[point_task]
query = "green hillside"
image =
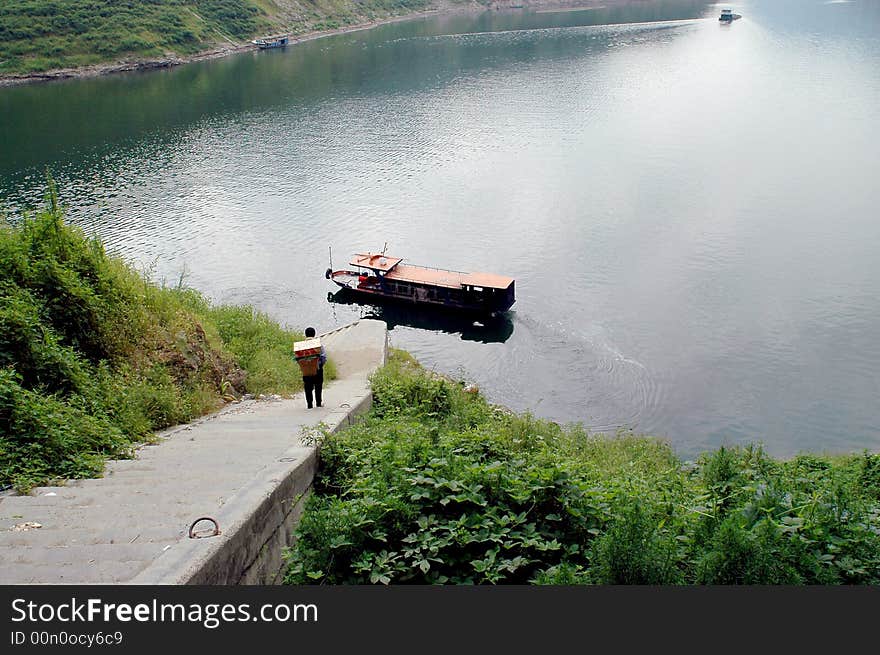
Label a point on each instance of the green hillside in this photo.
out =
(43, 35)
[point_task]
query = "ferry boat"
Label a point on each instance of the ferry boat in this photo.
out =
(380, 277)
(728, 16)
(263, 44)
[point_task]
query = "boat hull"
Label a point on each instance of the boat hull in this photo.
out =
(479, 327)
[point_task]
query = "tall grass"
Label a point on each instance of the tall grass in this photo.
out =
(438, 486)
(94, 356)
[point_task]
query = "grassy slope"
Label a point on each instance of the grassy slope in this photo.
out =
(94, 357)
(42, 35)
(438, 486)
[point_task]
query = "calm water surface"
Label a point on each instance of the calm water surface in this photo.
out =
(690, 209)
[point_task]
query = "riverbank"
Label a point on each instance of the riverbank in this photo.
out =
(229, 47)
(435, 486)
(134, 65)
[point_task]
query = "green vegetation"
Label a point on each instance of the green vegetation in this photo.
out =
(438, 486)
(94, 357)
(42, 35)
(39, 35)
(323, 15)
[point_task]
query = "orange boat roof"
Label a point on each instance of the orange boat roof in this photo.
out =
(487, 280)
(439, 277)
(453, 279)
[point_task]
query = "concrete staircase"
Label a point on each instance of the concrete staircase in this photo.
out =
(246, 466)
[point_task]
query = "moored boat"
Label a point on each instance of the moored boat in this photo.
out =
(380, 277)
(263, 44)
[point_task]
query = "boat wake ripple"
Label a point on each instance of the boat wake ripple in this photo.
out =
(588, 379)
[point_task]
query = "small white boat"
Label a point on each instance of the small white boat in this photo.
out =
(270, 43)
(728, 16)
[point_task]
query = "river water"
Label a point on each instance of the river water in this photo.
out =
(690, 209)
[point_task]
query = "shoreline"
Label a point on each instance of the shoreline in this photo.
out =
(125, 66)
(440, 8)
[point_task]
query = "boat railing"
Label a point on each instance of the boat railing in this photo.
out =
(432, 268)
(435, 268)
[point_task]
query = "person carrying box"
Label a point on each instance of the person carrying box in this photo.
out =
(311, 357)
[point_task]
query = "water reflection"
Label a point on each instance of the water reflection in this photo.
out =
(497, 329)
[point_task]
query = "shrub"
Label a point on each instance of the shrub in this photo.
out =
(633, 550)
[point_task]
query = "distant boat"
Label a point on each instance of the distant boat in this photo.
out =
(380, 277)
(727, 15)
(263, 44)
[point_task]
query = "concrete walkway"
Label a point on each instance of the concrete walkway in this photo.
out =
(245, 466)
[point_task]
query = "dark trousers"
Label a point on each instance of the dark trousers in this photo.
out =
(313, 383)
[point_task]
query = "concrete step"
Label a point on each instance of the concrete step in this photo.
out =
(87, 553)
(48, 537)
(169, 515)
(110, 498)
(81, 573)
